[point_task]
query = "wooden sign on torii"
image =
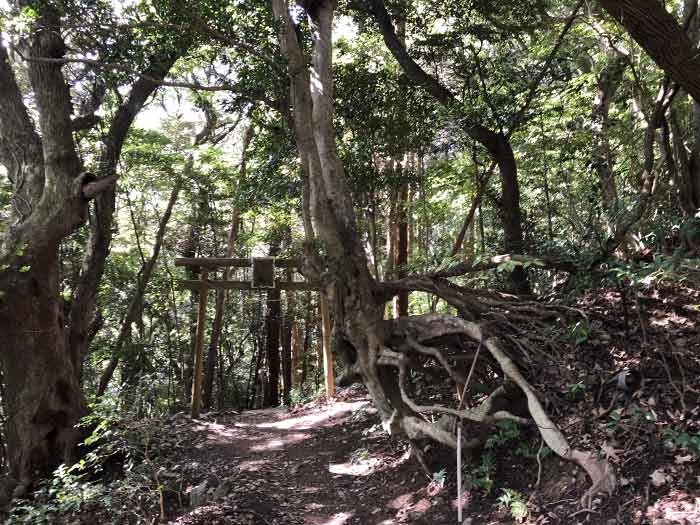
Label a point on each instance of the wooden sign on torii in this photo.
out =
(263, 278)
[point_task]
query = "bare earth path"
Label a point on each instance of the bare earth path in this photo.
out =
(325, 465)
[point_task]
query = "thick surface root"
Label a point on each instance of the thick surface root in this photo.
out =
(418, 330)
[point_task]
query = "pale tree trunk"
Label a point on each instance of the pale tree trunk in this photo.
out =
(215, 341)
(357, 310)
(353, 304)
(41, 354)
(135, 307)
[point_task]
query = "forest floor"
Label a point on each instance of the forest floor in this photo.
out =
(628, 386)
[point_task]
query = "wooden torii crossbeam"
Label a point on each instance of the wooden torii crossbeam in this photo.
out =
(263, 278)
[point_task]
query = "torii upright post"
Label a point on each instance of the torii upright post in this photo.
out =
(199, 344)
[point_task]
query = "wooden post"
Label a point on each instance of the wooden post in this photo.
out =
(327, 352)
(296, 354)
(199, 344)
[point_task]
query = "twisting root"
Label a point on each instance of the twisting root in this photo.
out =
(426, 327)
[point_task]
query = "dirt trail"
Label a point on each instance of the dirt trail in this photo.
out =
(326, 465)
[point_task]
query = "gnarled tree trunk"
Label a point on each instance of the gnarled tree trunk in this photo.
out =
(357, 300)
(40, 353)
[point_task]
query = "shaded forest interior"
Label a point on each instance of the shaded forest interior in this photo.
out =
(336, 262)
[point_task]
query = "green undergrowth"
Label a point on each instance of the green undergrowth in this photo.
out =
(112, 480)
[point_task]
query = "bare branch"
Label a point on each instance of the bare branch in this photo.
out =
(229, 40)
(543, 262)
(535, 84)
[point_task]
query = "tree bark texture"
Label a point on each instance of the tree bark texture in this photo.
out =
(659, 34)
(41, 352)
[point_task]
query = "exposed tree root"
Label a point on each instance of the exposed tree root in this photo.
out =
(412, 333)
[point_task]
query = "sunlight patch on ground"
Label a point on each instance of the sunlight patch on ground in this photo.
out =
(312, 420)
(676, 507)
(277, 443)
(358, 468)
(253, 465)
(337, 519)
(215, 428)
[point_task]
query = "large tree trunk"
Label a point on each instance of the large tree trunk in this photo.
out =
(354, 295)
(666, 42)
(42, 354)
(42, 393)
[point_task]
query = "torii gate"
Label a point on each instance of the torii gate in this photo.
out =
(263, 278)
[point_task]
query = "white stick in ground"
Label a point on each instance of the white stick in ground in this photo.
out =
(459, 472)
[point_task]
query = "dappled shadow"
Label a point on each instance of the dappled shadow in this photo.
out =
(329, 463)
(265, 430)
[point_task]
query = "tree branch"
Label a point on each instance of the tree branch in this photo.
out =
(104, 193)
(660, 35)
(54, 103)
(20, 145)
